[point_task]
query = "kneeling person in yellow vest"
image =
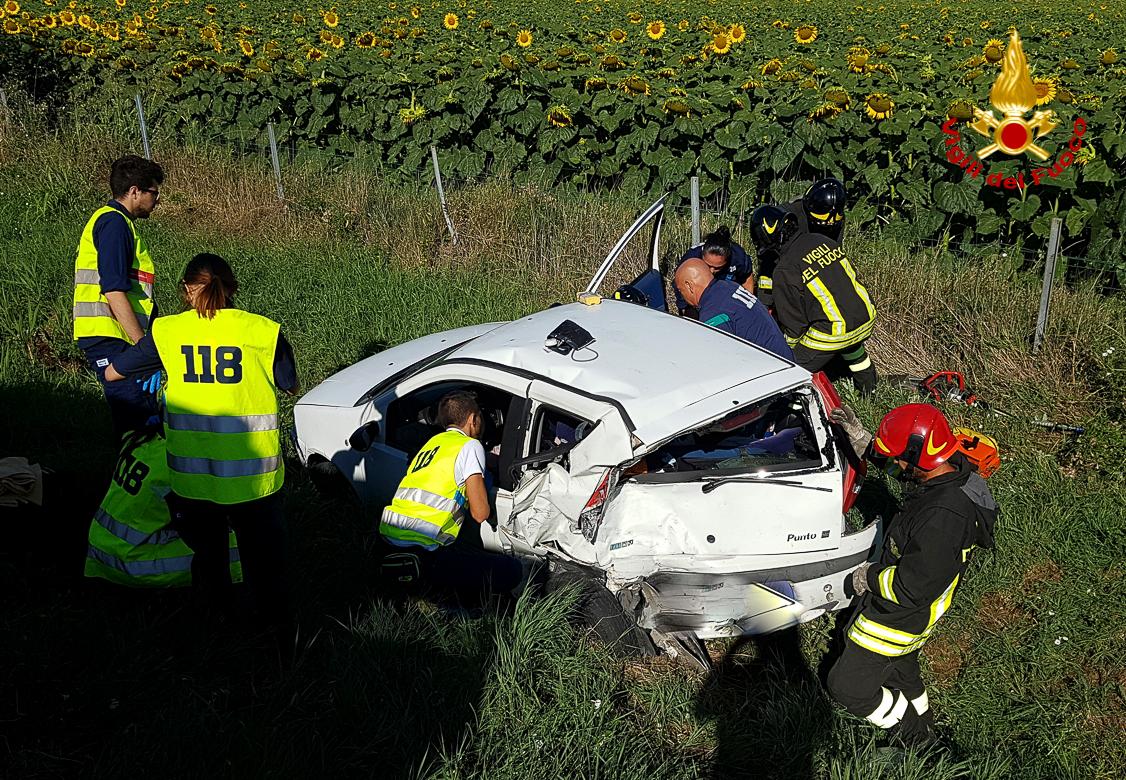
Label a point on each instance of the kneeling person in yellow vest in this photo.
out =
(130, 541)
(224, 457)
(445, 485)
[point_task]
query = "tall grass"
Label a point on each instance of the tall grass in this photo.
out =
(1025, 672)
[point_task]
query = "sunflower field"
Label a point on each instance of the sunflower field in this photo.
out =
(626, 94)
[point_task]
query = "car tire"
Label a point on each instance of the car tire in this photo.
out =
(599, 611)
(328, 480)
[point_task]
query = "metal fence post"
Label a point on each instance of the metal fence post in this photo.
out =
(695, 196)
(144, 129)
(4, 103)
(442, 195)
(1049, 278)
(274, 159)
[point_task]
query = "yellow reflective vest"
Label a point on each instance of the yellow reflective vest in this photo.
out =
(130, 542)
(221, 406)
(92, 315)
(429, 506)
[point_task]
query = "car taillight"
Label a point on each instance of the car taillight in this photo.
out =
(591, 517)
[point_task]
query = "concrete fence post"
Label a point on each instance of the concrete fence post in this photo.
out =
(442, 195)
(1049, 279)
(274, 160)
(144, 128)
(695, 197)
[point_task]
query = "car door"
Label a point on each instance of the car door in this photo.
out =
(572, 444)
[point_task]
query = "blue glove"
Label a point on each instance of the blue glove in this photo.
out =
(150, 384)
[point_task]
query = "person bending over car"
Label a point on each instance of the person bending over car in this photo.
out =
(729, 307)
(444, 486)
(726, 259)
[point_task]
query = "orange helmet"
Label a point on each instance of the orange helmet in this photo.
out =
(916, 433)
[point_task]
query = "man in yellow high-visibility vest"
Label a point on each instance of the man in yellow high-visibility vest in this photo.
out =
(445, 485)
(114, 278)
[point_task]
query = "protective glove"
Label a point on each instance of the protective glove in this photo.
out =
(860, 579)
(150, 384)
(858, 435)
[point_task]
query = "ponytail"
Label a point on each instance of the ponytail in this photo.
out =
(218, 280)
(718, 242)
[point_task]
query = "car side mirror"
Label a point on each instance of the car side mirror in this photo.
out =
(364, 436)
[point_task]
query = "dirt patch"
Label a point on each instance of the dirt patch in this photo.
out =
(1044, 571)
(946, 655)
(999, 611)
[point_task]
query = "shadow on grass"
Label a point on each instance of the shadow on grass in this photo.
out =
(771, 714)
(101, 681)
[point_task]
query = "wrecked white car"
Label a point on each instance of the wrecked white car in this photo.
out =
(694, 474)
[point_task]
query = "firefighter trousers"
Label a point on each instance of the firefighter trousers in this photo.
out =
(855, 358)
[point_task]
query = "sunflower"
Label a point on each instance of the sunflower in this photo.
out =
(1108, 57)
(634, 17)
(780, 25)
(119, 3)
(559, 116)
(683, 25)
(825, 111)
(1070, 64)
(993, 50)
(948, 39)
(772, 67)
(838, 96)
(325, 36)
(750, 85)
(508, 62)
(314, 54)
(655, 30)
(635, 85)
(67, 17)
(595, 83)
(263, 65)
(247, 48)
(449, 21)
(11, 8)
(675, 106)
(524, 39)
(331, 18)
(83, 49)
(110, 31)
(618, 35)
(1045, 90)
(411, 113)
(967, 41)
(416, 12)
(721, 43)
(972, 75)
(858, 60)
(12, 27)
(667, 73)
(50, 21)
(298, 19)
(612, 62)
(962, 110)
(878, 106)
(86, 23)
(806, 34)
(210, 10)
(337, 42)
(531, 59)
(737, 32)
(365, 40)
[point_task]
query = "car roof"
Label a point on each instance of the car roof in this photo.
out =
(665, 373)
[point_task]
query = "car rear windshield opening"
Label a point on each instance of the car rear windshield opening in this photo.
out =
(773, 434)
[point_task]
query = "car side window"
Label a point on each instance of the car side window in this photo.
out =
(553, 429)
(412, 419)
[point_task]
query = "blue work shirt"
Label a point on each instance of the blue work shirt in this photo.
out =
(114, 242)
(738, 270)
(729, 307)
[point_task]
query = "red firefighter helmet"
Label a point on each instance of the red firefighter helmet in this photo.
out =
(916, 433)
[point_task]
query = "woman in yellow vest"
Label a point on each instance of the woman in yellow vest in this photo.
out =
(225, 462)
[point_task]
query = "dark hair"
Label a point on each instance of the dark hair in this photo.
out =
(456, 407)
(718, 242)
(218, 280)
(134, 171)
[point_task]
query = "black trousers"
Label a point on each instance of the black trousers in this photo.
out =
(857, 364)
(861, 680)
(130, 406)
(260, 527)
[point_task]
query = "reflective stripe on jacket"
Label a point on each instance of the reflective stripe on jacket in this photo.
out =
(925, 555)
(129, 541)
(818, 299)
(91, 312)
(221, 405)
(429, 506)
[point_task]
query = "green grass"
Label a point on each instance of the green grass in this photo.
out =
(105, 684)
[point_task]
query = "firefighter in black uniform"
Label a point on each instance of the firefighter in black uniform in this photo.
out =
(820, 210)
(927, 548)
(821, 306)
